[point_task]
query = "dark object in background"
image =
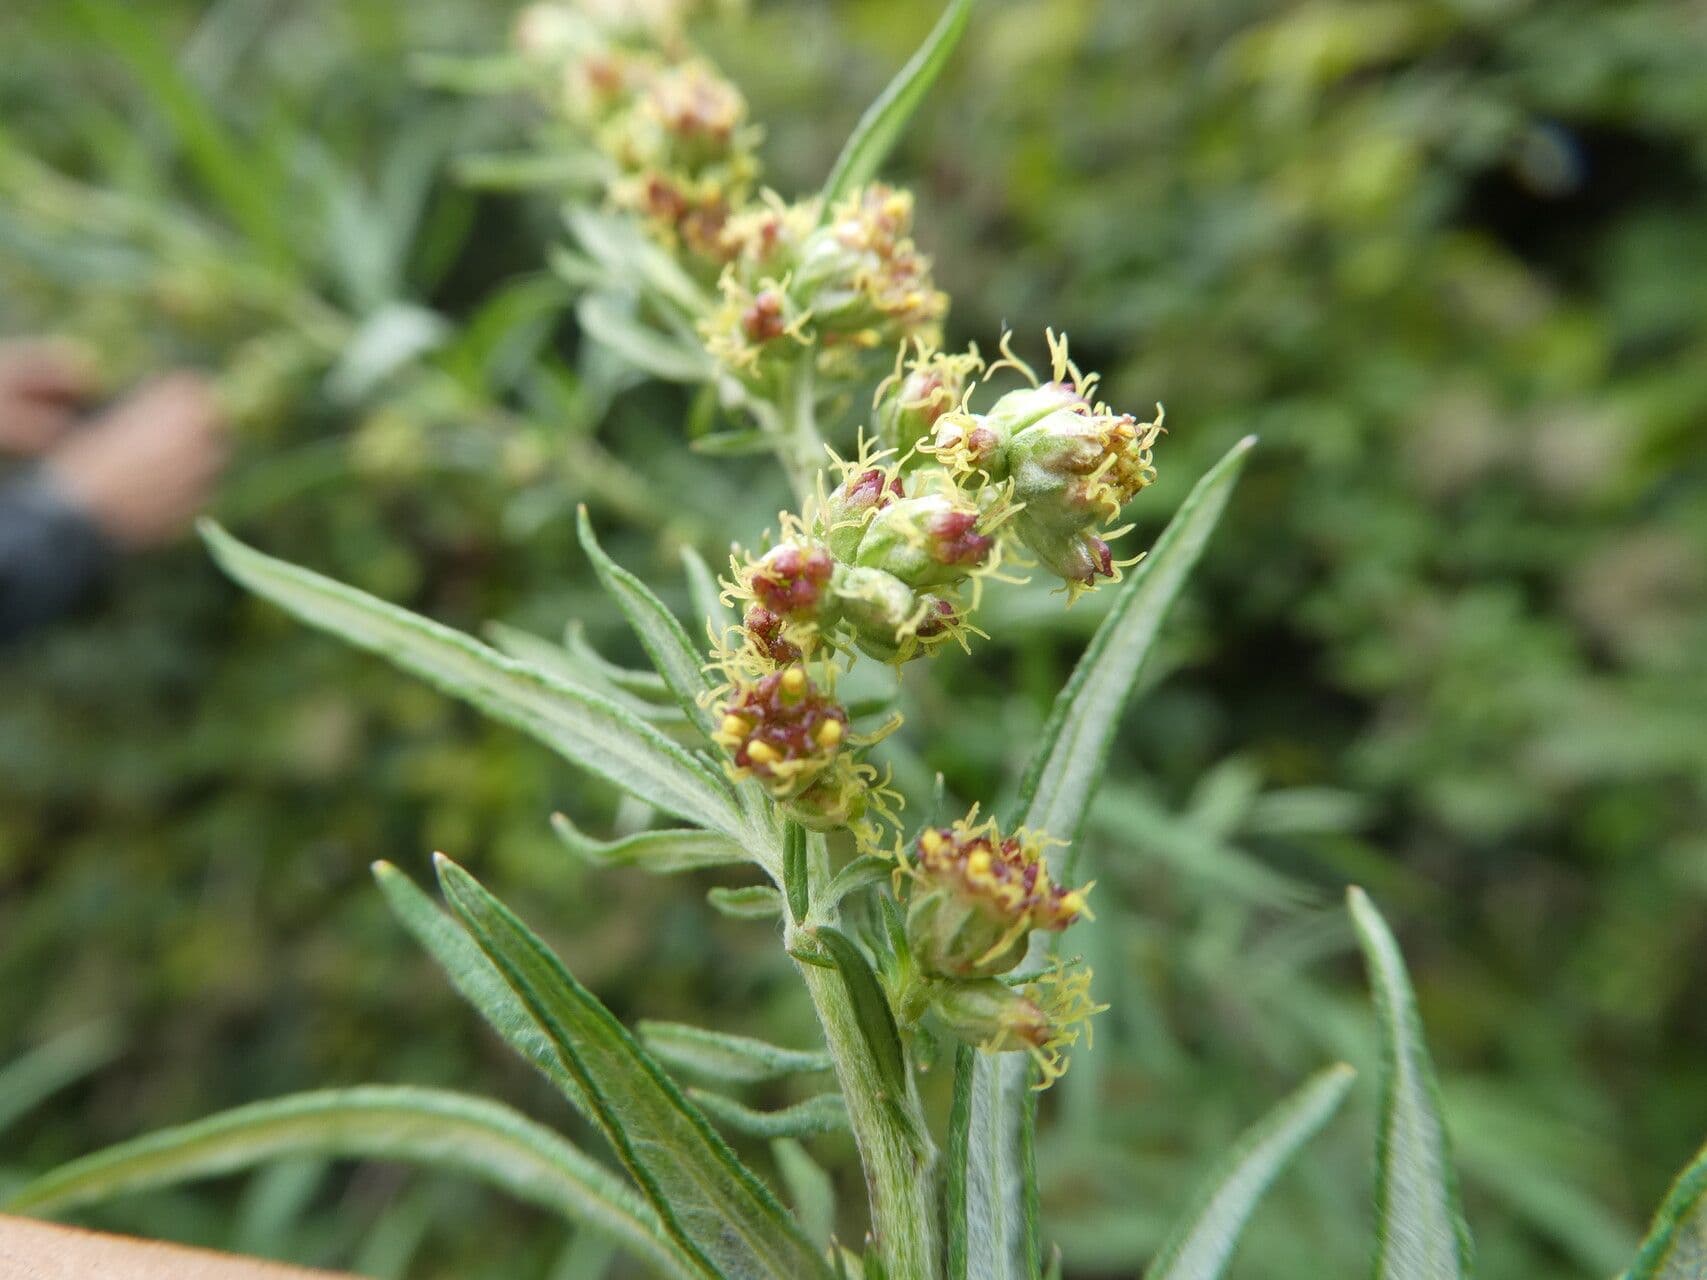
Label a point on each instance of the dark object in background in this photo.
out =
(51, 554)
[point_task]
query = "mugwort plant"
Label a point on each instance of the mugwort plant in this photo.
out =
(943, 944)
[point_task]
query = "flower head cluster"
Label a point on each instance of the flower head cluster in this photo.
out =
(839, 286)
(976, 896)
(1072, 464)
(881, 567)
(781, 729)
(674, 131)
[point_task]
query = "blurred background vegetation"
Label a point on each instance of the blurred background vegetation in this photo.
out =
(1445, 258)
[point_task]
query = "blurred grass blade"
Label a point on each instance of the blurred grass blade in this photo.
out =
(415, 1126)
(990, 1232)
(707, 1200)
(824, 1113)
(1676, 1244)
(661, 852)
(584, 728)
(809, 1187)
(666, 644)
(1204, 1243)
(1420, 1231)
(240, 176)
(879, 129)
(475, 977)
(1063, 773)
(715, 1055)
(29, 1080)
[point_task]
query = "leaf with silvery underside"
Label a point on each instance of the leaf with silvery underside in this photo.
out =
(1068, 762)
(991, 1233)
(625, 256)
(749, 902)
(583, 727)
(608, 319)
(660, 852)
(474, 976)
(863, 872)
(666, 644)
(707, 1200)
(809, 1187)
(706, 595)
(1202, 1245)
(1419, 1226)
(429, 1127)
(716, 1055)
(880, 128)
(1676, 1243)
(642, 684)
(1054, 797)
(824, 1113)
(559, 663)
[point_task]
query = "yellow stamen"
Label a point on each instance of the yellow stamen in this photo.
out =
(734, 726)
(763, 753)
(828, 734)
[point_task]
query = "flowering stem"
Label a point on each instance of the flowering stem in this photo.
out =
(799, 447)
(894, 1147)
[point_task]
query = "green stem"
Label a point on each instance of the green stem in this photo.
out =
(894, 1144)
(799, 447)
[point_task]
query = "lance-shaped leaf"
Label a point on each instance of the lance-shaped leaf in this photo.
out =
(992, 1229)
(824, 1113)
(414, 1126)
(707, 1200)
(1054, 797)
(662, 852)
(748, 902)
(1676, 1244)
(674, 658)
(1202, 1245)
(1064, 770)
(879, 129)
(474, 976)
(706, 594)
(579, 725)
(715, 1055)
(571, 668)
(809, 1187)
(1419, 1227)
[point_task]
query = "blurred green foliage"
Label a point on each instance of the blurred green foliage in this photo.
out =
(1444, 257)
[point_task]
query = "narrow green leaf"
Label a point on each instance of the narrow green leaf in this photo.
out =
(706, 595)
(1420, 1230)
(749, 902)
(642, 684)
(716, 1055)
(681, 665)
(707, 1200)
(733, 444)
(605, 319)
(866, 870)
(416, 1126)
(879, 129)
(796, 879)
(1064, 771)
(810, 1188)
(870, 1007)
(988, 1227)
(37, 1075)
(1200, 1247)
(475, 977)
(586, 729)
(660, 852)
(823, 1113)
(575, 669)
(1676, 1244)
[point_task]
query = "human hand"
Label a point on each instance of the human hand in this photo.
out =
(42, 382)
(144, 468)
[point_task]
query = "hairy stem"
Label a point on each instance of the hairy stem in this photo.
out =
(894, 1145)
(799, 447)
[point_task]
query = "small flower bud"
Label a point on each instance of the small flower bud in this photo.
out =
(764, 631)
(855, 500)
(1043, 1017)
(1075, 467)
(977, 895)
(782, 730)
(909, 403)
(974, 443)
(928, 541)
(881, 610)
(1078, 559)
(861, 277)
(791, 580)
